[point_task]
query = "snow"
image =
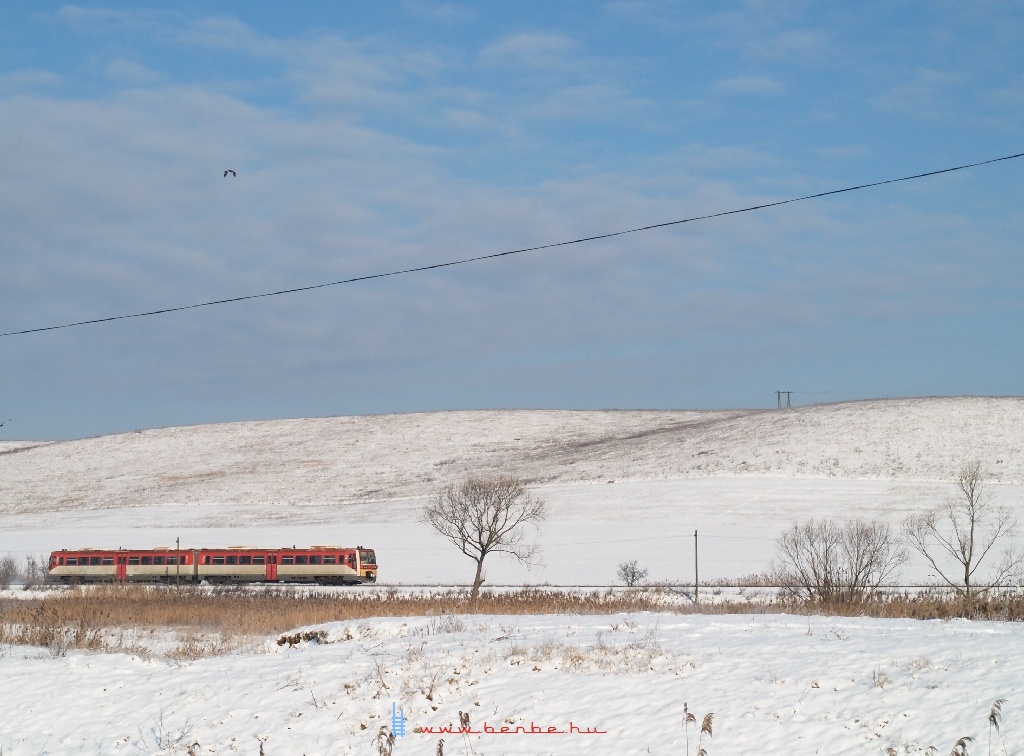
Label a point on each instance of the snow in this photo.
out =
(620, 485)
(346, 462)
(591, 529)
(776, 684)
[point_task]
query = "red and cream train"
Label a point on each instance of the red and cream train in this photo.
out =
(323, 565)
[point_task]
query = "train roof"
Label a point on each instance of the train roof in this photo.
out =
(316, 547)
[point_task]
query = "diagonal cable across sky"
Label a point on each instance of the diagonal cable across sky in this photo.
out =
(507, 253)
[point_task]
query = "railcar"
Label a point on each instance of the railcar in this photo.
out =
(321, 565)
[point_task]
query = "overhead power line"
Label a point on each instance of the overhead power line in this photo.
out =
(495, 255)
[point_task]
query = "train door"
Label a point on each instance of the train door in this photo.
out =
(121, 568)
(272, 567)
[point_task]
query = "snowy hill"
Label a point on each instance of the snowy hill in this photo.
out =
(387, 457)
(620, 484)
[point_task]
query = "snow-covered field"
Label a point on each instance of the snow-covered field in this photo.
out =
(776, 684)
(620, 485)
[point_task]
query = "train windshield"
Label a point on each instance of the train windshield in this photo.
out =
(367, 557)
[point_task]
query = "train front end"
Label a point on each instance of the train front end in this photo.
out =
(367, 566)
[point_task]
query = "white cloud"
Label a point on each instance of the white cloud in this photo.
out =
(28, 79)
(80, 18)
(755, 85)
(352, 75)
(130, 72)
(596, 101)
(531, 49)
(464, 118)
(926, 93)
(227, 33)
(844, 151)
(1010, 96)
(444, 13)
(785, 33)
(797, 45)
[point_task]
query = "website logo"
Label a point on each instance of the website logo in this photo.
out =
(397, 721)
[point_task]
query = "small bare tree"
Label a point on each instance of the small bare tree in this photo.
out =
(8, 572)
(35, 572)
(828, 561)
(956, 538)
(487, 515)
(631, 573)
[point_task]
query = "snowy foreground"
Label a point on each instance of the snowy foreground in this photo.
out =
(602, 685)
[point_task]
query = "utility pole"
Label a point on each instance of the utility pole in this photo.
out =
(177, 561)
(696, 574)
(778, 399)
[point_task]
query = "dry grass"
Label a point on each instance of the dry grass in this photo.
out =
(259, 613)
(204, 622)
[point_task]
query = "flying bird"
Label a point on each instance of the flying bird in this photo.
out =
(229, 171)
(5, 422)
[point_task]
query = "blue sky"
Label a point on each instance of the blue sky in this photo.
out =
(369, 137)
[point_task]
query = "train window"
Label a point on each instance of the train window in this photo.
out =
(259, 560)
(108, 560)
(218, 560)
(232, 559)
(351, 559)
(287, 560)
(122, 560)
(60, 560)
(316, 559)
(206, 558)
(245, 560)
(72, 561)
(367, 557)
(302, 560)
(172, 560)
(147, 560)
(158, 560)
(133, 560)
(329, 559)
(94, 560)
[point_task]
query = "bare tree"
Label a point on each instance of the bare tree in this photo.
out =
(9, 572)
(487, 515)
(631, 573)
(828, 561)
(35, 572)
(957, 538)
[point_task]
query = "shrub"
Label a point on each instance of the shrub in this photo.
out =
(35, 572)
(8, 572)
(631, 573)
(828, 561)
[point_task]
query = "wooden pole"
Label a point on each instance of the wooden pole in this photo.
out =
(696, 574)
